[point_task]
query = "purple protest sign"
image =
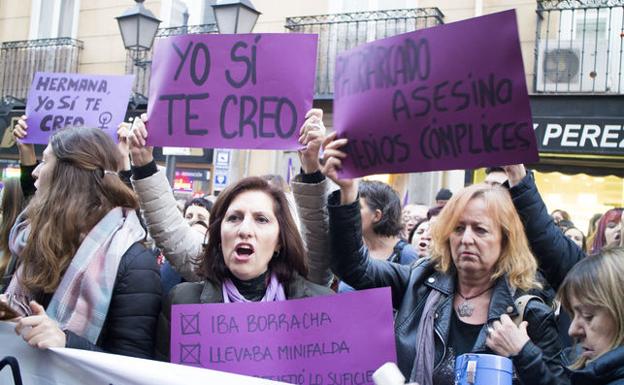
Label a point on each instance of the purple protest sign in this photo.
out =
(339, 339)
(231, 91)
(448, 97)
(58, 100)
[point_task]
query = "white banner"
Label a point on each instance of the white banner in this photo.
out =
(64, 366)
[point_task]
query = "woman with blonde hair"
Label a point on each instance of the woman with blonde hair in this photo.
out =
(84, 278)
(449, 304)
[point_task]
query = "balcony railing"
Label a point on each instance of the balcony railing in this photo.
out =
(142, 71)
(340, 32)
(579, 46)
(20, 60)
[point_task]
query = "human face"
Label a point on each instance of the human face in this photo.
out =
(249, 234)
(593, 327)
(612, 233)
(43, 172)
(495, 178)
(421, 239)
(476, 240)
(575, 235)
(413, 214)
(196, 213)
(557, 217)
(369, 217)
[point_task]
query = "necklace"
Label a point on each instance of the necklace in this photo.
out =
(465, 309)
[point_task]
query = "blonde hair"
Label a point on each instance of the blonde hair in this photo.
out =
(596, 280)
(515, 261)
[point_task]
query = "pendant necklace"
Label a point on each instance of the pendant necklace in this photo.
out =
(465, 309)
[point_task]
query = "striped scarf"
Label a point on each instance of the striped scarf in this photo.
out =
(80, 302)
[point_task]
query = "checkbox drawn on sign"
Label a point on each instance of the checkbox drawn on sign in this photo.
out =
(190, 354)
(189, 323)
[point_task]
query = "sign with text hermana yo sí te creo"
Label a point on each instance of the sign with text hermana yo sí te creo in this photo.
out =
(59, 100)
(333, 339)
(231, 91)
(448, 97)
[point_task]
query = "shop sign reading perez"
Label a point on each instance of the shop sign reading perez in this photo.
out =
(603, 136)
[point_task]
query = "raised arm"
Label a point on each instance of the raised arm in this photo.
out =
(350, 257)
(556, 254)
(27, 157)
(181, 245)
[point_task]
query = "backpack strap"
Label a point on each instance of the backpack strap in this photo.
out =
(521, 304)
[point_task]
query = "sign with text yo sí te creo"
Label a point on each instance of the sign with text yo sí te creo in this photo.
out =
(448, 97)
(334, 339)
(59, 100)
(231, 91)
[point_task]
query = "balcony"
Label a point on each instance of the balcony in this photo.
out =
(143, 59)
(341, 32)
(20, 60)
(579, 47)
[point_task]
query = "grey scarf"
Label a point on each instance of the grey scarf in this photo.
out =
(422, 371)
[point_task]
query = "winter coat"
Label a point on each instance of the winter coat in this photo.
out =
(411, 286)
(130, 326)
(607, 369)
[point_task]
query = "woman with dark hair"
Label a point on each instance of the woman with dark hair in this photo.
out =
(608, 231)
(197, 209)
(577, 237)
(84, 279)
(254, 253)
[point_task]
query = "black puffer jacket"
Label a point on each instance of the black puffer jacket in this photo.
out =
(555, 253)
(607, 369)
(535, 365)
(130, 326)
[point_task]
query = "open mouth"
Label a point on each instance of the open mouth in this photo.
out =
(244, 251)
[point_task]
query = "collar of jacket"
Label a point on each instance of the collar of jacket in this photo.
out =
(296, 288)
(605, 369)
(502, 302)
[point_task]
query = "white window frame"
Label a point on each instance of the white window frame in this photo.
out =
(56, 13)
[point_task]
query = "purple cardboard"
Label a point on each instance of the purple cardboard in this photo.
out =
(448, 97)
(57, 100)
(339, 339)
(231, 91)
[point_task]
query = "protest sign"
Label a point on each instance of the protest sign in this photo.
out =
(231, 91)
(63, 366)
(58, 100)
(448, 97)
(336, 339)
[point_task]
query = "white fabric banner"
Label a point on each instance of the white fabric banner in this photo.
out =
(64, 366)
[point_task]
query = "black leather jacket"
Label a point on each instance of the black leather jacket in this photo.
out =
(410, 288)
(607, 369)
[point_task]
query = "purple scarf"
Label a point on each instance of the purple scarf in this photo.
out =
(422, 371)
(274, 292)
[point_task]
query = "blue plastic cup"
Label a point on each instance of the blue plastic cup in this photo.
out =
(483, 369)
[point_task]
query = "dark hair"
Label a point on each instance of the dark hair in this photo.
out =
(493, 169)
(380, 196)
(201, 202)
(12, 204)
(411, 233)
(565, 224)
(292, 254)
(434, 212)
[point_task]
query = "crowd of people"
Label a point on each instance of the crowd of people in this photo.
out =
(486, 269)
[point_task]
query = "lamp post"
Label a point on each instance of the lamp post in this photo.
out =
(235, 16)
(138, 27)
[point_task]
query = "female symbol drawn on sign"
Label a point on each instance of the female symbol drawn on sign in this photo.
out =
(104, 119)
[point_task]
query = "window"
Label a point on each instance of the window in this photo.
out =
(342, 6)
(54, 18)
(176, 13)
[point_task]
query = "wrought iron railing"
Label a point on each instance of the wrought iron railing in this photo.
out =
(579, 46)
(138, 62)
(340, 32)
(19, 60)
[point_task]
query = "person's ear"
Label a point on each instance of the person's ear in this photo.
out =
(377, 216)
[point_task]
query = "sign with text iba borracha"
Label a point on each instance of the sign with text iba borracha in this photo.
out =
(335, 339)
(448, 97)
(231, 91)
(58, 100)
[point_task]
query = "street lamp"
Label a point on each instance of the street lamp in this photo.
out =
(138, 27)
(235, 16)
